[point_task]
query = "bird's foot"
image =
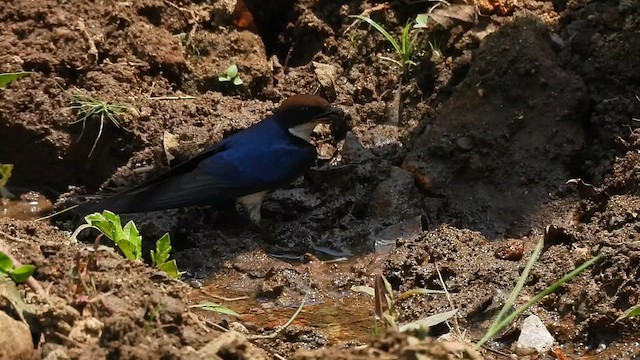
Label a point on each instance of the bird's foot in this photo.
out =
(266, 231)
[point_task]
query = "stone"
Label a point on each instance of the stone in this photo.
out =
(534, 337)
(15, 339)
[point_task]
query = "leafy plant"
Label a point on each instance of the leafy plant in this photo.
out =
(5, 175)
(6, 78)
(404, 48)
(129, 240)
(18, 274)
(214, 307)
(505, 318)
(89, 108)
(231, 74)
(386, 301)
(160, 257)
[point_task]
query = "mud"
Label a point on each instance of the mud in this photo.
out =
(495, 118)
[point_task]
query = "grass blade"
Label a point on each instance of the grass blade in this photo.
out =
(381, 30)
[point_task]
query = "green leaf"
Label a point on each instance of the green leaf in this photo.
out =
(429, 321)
(131, 235)
(364, 289)
(108, 223)
(232, 71)
(163, 248)
(237, 81)
(632, 312)
(6, 264)
(128, 249)
(419, 291)
(381, 30)
(170, 268)
(422, 20)
(213, 307)
(223, 78)
(6, 78)
(22, 273)
(5, 174)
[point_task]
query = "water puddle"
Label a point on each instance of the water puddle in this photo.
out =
(336, 313)
(26, 205)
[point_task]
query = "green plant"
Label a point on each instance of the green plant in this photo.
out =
(5, 175)
(129, 240)
(88, 107)
(386, 301)
(214, 307)
(504, 319)
(632, 312)
(231, 74)
(6, 78)
(185, 41)
(18, 274)
(404, 48)
(160, 257)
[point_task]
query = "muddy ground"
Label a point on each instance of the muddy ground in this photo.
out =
(500, 111)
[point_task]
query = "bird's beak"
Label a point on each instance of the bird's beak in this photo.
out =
(331, 115)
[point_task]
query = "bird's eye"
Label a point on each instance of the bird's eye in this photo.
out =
(304, 109)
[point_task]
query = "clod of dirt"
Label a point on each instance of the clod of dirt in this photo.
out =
(232, 345)
(395, 346)
(15, 339)
(510, 250)
(524, 140)
(217, 51)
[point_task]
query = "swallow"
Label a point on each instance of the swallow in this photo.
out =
(243, 167)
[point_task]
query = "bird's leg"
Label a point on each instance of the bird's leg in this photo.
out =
(253, 204)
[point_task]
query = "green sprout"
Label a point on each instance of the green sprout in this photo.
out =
(88, 108)
(6, 78)
(386, 306)
(632, 312)
(129, 240)
(5, 175)
(185, 41)
(231, 74)
(18, 274)
(404, 48)
(505, 318)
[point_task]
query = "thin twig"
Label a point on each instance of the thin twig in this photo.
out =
(172, 97)
(446, 291)
(280, 329)
(14, 238)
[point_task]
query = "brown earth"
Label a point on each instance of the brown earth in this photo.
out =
(495, 118)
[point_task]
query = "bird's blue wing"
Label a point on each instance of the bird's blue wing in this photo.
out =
(228, 171)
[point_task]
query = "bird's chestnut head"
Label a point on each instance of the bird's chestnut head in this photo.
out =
(302, 113)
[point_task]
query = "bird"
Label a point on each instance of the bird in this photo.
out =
(243, 167)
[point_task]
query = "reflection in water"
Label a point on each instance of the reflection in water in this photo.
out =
(29, 205)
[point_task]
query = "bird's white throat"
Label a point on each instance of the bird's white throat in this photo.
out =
(303, 131)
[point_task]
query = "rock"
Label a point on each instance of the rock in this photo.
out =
(534, 337)
(386, 239)
(353, 152)
(15, 339)
(232, 345)
(395, 198)
(86, 331)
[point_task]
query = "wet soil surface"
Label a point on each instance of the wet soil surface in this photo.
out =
(460, 177)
